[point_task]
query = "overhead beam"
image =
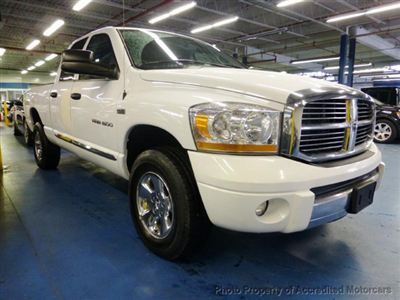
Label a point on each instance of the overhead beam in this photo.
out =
(355, 8)
(377, 43)
(301, 16)
(280, 59)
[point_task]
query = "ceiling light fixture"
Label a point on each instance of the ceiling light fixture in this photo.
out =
(288, 2)
(24, 71)
(217, 24)
(32, 45)
(383, 8)
(53, 74)
(372, 70)
(39, 63)
(345, 17)
(371, 11)
(173, 12)
(50, 57)
(311, 60)
(2, 51)
(31, 68)
(53, 27)
(81, 4)
(355, 66)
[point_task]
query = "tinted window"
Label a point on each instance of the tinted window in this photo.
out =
(103, 52)
(160, 50)
(77, 45)
(385, 95)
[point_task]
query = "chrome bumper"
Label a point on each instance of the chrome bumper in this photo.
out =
(333, 205)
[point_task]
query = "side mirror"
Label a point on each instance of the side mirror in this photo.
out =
(81, 62)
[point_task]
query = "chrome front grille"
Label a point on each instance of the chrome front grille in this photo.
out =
(327, 127)
(321, 140)
(364, 133)
(364, 109)
(327, 110)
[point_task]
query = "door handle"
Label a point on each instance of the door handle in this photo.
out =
(76, 96)
(53, 94)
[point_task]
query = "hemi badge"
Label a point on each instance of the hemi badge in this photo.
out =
(121, 111)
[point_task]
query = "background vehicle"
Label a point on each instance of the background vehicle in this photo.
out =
(386, 95)
(198, 143)
(387, 126)
(10, 109)
(20, 126)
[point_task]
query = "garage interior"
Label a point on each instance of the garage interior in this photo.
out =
(68, 234)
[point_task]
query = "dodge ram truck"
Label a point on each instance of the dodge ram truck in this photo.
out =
(204, 140)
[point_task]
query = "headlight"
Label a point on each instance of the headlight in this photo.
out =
(235, 127)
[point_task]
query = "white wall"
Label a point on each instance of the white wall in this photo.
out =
(31, 78)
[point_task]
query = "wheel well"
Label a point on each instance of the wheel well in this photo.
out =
(35, 116)
(144, 137)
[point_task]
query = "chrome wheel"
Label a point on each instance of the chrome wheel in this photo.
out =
(382, 132)
(154, 205)
(38, 147)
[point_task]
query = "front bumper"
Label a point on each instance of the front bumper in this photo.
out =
(233, 186)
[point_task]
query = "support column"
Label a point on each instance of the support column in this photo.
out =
(344, 39)
(351, 57)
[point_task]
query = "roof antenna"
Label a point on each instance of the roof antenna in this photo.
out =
(123, 56)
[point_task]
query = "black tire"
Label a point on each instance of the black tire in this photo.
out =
(28, 135)
(190, 223)
(48, 155)
(16, 130)
(385, 136)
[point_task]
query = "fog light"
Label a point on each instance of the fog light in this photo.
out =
(261, 209)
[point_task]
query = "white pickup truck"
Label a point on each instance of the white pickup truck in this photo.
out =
(202, 139)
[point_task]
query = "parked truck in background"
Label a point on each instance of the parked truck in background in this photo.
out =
(203, 140)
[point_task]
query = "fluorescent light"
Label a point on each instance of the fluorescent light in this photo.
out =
(31, 68)
(355, 66)
(53, 74)
(51, 56)
(2, 51)
(371, 70)
(311, 60)
(24, 71)
(81, 4)
(217, 24)
(345, 17)
(39, 63)
(288, 2)
(173, 12)
(32, 45)
(53, 27)
(383, 8)
(371, 11)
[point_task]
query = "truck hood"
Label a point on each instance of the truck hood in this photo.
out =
(273, 86)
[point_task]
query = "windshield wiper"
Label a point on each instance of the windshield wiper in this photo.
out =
(180, 63)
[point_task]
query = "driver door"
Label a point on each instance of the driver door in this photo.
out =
(94, 100)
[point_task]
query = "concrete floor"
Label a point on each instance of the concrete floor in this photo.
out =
(67, 234)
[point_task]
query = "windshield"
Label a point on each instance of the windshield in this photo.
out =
(161, 50)
(378, 102)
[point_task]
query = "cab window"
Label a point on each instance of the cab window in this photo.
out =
(77, 45)
(103, 53)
